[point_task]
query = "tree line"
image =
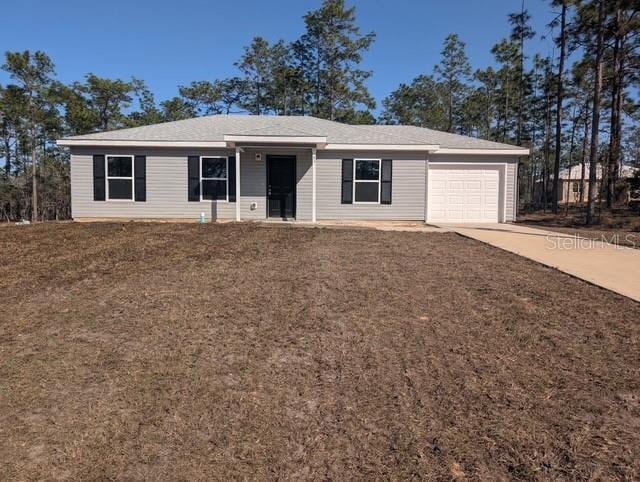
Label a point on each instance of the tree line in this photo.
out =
(575, 106)
(570, 107)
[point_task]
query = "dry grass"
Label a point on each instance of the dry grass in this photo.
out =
(617, 226)
(160, 351)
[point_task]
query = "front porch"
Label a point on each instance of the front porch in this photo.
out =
(275, 182)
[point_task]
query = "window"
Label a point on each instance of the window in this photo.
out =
(214, 178)
(576, 186)
(119, 178)
(366, 180)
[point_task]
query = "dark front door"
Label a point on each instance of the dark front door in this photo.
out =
(281, 186)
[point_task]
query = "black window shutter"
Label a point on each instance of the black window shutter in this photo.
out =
(387, 175)
(347, 181)
(232, 179)
(98, 178)
(140, 178)
(193, 170)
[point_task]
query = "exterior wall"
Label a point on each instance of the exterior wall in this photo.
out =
(255, 189)
(166, 179)
(167, 186)
(510, 196)
(568, 196)
(304, 188)
(508, 177)
(408, 187)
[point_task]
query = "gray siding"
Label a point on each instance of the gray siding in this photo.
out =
(304, 188)
(256, 183)
(253, 187)
(511, 191)
(167, 185)
(408, 191)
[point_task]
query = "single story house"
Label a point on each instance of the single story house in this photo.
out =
(243, 167)
(571, 181)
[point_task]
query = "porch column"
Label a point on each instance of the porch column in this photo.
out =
(238, 198)
(313, 184)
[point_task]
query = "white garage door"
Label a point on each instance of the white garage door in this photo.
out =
(463, 195)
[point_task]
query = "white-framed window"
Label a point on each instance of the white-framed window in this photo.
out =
(366, 181)
(119, 170)
(576, 186)
(214, 178)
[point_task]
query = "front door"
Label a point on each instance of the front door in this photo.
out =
(281, 187)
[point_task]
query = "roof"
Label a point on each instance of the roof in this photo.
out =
(219, 129)
(575, 172)
(443, 139)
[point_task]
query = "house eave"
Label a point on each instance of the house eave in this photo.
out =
(133, 143)
(240, 139)
(319, 142)
(381, 147)
(516, 151)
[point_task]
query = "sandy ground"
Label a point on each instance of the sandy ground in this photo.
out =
(187, 352)
(618, 226)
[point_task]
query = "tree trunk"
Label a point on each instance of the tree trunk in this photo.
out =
(569, 191)
(258, 98)
(506, 111)
(285, 105)
(595, 122)
(585, 139)
(571, 149)
(34, 181)
(520, 80)
(450, 127)
(318, 60)
(488, 117)
(616, 106)
(7, 157)
(572, 141)
(556, 166)
(614, 94)
(547, 144)
(332, 103)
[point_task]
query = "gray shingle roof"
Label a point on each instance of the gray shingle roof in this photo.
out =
(214, 128)
(443, 139)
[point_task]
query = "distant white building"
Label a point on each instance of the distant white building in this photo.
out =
(570, 181)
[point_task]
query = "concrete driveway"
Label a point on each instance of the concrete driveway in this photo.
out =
(613, 267)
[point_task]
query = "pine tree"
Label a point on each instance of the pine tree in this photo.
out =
(421, 103)
(334, 46)
(562, 42)
(255, 64)
(595, 122)
(33, 74)
(107, 100)
(521, 31)
(202, 97)
(454, 72)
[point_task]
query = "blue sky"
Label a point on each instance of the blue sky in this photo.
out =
(169, 43)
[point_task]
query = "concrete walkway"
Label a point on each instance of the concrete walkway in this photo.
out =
(613, 267)
(408, 226)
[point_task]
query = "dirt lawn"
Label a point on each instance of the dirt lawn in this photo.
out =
(183, 352)
(616, 226)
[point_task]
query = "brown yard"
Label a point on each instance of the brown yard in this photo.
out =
(616, 226)
(163, 351)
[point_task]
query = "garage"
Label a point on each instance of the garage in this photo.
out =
(464, 194)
